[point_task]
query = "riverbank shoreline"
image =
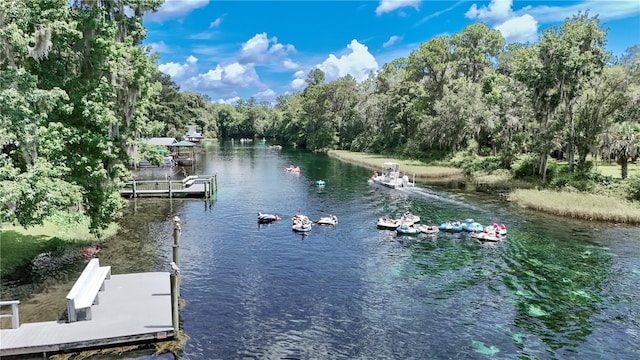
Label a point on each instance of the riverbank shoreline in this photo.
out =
(427, 174)
(59, 233)
(577, 205)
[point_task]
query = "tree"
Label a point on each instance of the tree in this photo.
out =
(85, 89)
(32, 183)
(621, 143)
(459, 116)
(597, 107)
(555, 71)
(580, 57)
(474, 48)
(507, 114)
(315, 77)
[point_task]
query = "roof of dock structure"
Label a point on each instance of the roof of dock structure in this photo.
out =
(161, 141)
(183, 143)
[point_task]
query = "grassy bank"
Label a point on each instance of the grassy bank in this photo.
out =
(423, 172)
(578, 205)
(19, 245)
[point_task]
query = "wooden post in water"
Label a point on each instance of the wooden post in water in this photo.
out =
(134, 187)
(175, 288)
(176, 246)
(176, 240)
(169, 188)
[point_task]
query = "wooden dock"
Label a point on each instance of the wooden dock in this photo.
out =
(203, 186)
(132, 308)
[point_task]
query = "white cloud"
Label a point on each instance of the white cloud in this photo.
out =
(522, 25)
(289, 64)
(497, 11)
(215, 23)
(359, 63)
(254, 49)
(606, 10)
(175, 70)
(180, 71)
(226, 78)
(230, 101)
(521, 29)
(438, 13)
(392, 40)
(298, 84)
(265, 94)
(513, 27)
(259, 50)
(386, 6)
(159, 47)
(175, 9)
(206, 35)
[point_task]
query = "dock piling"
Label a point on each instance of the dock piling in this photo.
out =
(176, 249)
(175, 288)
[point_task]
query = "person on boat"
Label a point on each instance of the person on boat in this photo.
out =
(375, 175)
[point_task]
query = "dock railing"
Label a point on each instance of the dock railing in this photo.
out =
(208, 186)
(15, 317)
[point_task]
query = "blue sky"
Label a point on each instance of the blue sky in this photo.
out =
(262, 49)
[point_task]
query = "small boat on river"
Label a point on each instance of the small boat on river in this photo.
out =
(302, 227)
(451, 226)
(486, 235)
(301, 223)
(411, 217)
(267, 218)
(470, 225)
(406, 229)
(429, 229)
(321, 182)
(500, 229)
(292, 169)
(390, 177)
(328, 220)
(388, 223)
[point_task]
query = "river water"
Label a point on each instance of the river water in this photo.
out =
(554, 289)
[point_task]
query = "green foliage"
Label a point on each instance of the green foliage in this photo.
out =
(633, 185)
(78, 95)
(75, 95)
(473, 165)
(526, 166)
(582, 180)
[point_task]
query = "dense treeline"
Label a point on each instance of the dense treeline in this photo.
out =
(76, 95)
(564, 96)
(78, 92)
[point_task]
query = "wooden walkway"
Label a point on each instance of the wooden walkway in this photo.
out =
(132, 308)
(192, 186)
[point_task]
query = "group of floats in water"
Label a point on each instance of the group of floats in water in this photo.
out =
(408, 224)
(299, 223)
